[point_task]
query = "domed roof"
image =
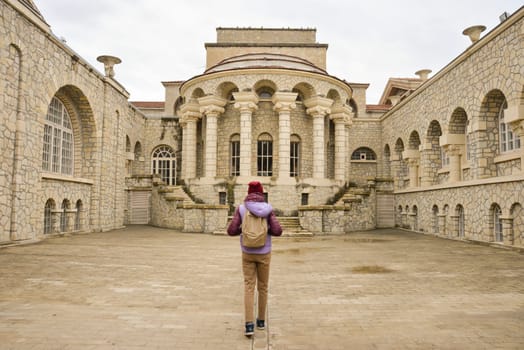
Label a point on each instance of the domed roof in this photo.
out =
(265, 60)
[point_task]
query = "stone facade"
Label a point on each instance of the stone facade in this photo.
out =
(445, 153)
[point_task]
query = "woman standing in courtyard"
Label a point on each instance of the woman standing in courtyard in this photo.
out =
(255, 258)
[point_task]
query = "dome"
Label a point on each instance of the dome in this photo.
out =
(265, 60)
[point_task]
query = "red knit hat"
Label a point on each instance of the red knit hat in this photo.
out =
(255, 186)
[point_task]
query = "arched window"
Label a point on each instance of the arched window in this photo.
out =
(57, 155)
(363, 153)
(164, 164)
(414, 213)
(234, 155)
(64, 222)
(496, 222)
(294, 156)
(508, 140)
(265, 93)
(265, 155)
(48, 216)
(435, 219)
(78, 215)
(138, 150)
(128, 144)
(459, 212)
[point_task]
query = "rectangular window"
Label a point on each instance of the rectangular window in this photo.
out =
(294, 159)
(235, 158)
(265, 158)
(304, 199)
(222, 197)
(445, 158)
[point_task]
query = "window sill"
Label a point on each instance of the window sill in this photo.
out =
(507, 156)
(57, 177)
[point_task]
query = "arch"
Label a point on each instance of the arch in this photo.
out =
(58, 143)
(197, 93)
(414, 213)
(399, 147)
(335, 96)
(78, 215)
(461, 221)
(138, 150)
(387, 161)
(64, 219)
(508, 141)
(458, 121)
(226, 89)
(414, 140)
(363, 153)
(178, 104)
(48, 215)
(495, 223)
(84, 129)
(265, 88)
(304, 91)
(163, 163)
(434, 219)
(128, 144)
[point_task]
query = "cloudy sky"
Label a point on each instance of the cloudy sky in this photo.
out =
(369, 40)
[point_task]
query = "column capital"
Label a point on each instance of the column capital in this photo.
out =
(284, 101)
(211, 105)
(341, 114)
(190, 111)
(453, 150)
(318, 106)
(246, 101)
(410, 154)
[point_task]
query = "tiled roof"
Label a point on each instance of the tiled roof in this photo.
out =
(148, 104)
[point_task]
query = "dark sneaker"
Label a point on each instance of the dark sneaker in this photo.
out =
(250, 329)
(261, 324)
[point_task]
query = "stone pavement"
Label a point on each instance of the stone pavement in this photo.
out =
(150, 288)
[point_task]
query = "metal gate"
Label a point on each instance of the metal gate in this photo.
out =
(139, 207)
(385, 210)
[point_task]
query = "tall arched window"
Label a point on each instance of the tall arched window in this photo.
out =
(48, 216)
(265, 155)
(57, 155)
(435, 219)
(294, 156)
(164, 164)
(496, 222)
(78, 215)
(459, 212)
(64, 222)
(508, 140)
(234, 155)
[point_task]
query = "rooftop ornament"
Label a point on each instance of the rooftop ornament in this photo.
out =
(109, 62)
(474, 32)
(423, 73)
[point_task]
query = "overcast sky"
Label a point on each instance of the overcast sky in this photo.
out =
(369, 40)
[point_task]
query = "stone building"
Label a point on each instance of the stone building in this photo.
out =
(440, 155)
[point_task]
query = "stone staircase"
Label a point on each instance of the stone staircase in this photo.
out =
(176, 193)
(352, 195)
(291, 227)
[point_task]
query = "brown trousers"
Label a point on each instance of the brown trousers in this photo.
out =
(256, 271)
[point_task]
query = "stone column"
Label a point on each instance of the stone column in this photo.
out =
(212, 107)
(455, 162)
(190, 115)
(284, 102)
(398, 181)
(318, 108)
(412, 156)
(341, 116)
(246, 102)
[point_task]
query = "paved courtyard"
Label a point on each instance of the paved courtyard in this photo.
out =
(151, 288)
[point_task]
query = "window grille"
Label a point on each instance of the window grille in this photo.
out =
(58, 142)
